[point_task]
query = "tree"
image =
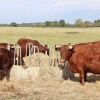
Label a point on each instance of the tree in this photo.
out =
(88, 24)
(61, 23)
(13, 24)
(56, 23)
(47, 23)
(97, 23)
(79, 23)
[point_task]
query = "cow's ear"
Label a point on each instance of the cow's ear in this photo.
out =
(70, 47)
(57, 48)
(8, 47)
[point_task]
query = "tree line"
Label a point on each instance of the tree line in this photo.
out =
(60, 23)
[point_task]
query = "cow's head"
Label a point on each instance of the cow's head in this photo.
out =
(10, 47)
(47, 49)
(44, 49)
(65, 52)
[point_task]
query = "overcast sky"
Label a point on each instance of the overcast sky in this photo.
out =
(20, 11)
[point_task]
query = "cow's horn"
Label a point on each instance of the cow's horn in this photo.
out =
(70, 47)
(8, 47)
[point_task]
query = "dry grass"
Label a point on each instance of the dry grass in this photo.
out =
(48, 85)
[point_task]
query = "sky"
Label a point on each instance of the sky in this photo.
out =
(31, 11)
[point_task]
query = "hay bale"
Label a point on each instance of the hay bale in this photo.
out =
(19, 72)
(34, 60)
(43, 72)
(33, 73)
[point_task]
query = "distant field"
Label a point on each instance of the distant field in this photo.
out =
(50, 36)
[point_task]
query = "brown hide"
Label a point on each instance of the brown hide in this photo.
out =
(7, 46)
(11, 49)
(23, 42)
(6, 62)
(83, 58)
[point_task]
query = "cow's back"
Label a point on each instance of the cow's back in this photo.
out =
(23, 42)
(85, 55)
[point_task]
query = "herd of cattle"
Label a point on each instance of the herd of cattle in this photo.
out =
(82, 58)
(7, 54)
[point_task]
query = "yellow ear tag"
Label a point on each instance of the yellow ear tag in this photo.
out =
(16, 58)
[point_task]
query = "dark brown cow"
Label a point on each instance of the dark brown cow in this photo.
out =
(23, 42)
(7, 46)
(6, 62)
(82, 58)
(11, 47)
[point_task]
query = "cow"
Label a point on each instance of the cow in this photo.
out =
(11, 48)
(7, 46)
(82, 58)
(23, 42)
(6, 62)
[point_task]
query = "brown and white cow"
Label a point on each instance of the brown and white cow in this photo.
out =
(23, 42)
(82, 58)
(6, 62)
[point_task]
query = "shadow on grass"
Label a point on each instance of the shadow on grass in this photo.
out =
(73, 32)
(90, 78)
(67, 74)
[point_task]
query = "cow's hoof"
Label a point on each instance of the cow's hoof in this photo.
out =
(82, 84)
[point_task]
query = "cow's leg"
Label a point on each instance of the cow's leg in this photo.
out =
(81, 71)
(82, 77)
(1, 75)
(85, 73)
(6, 73)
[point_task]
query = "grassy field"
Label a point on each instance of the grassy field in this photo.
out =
(48, 84)
(50, 36)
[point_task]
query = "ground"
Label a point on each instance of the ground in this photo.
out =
(48, 85)
(49, 90)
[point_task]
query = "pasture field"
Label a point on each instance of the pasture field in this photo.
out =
(49, 84)
(50, 36)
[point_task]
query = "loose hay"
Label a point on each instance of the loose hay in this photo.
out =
(45, 83)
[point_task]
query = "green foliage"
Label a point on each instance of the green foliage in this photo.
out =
(79, 23)
(61, 23)
(88, 24)
(51, 23)
(47, 23)
(97, 23)
(13, 24)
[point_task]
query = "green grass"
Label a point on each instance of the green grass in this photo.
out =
(50, 36)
